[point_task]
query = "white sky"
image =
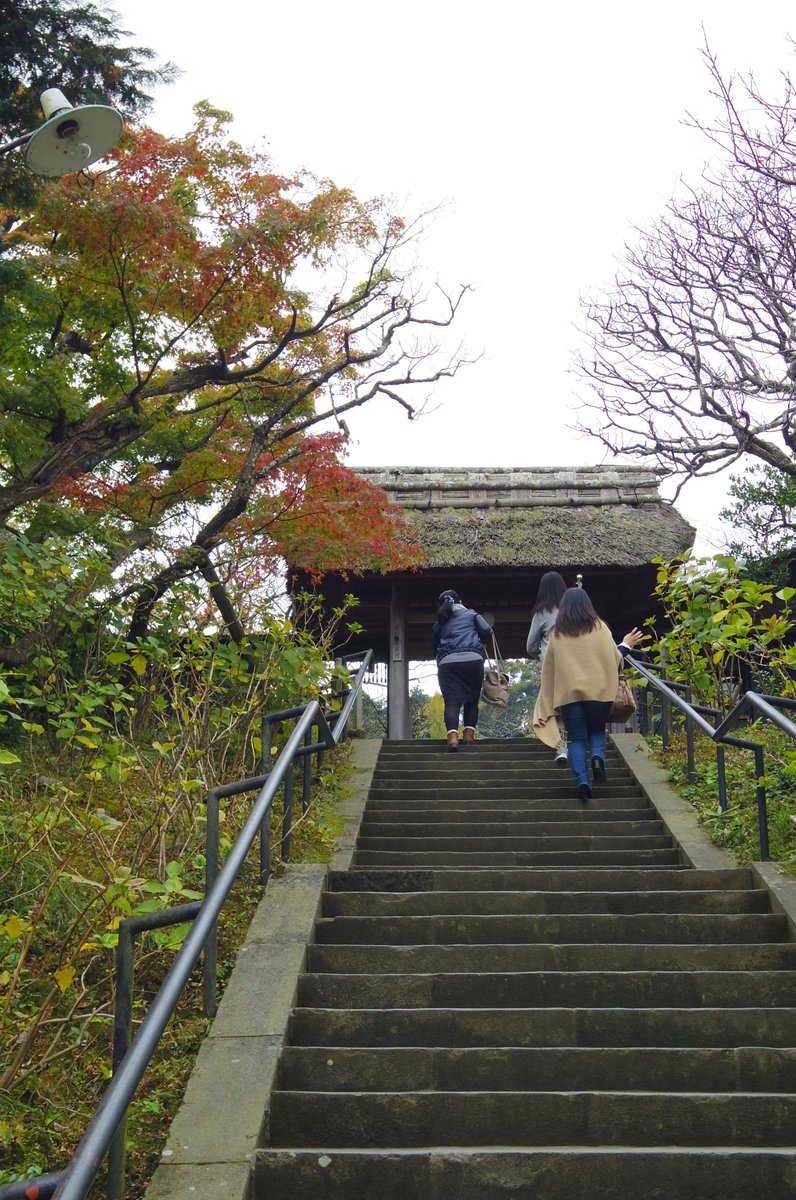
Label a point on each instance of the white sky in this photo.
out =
(546, 131)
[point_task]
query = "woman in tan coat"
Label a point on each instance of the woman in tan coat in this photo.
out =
(579, 679)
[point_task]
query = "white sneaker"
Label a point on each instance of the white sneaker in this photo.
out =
(561, 758)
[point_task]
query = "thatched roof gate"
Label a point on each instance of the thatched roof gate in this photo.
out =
(492, 532)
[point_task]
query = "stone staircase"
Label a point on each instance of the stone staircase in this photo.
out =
(512, 994)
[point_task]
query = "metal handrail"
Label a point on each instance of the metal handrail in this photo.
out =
(74, 1181)
(764, 706)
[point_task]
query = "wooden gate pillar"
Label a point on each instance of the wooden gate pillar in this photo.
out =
(399, 725)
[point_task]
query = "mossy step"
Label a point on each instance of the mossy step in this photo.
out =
(600, 1118)
(583, 927)
(375, 904)
(527, 789)
(544, 989)
(450, 807)
(417, 748)
(496, 858)
(563, 1173)
(541, 839)
(447, 817)
(422, 751)
(537, 879)
(461, 767)
(410, 1068)
(579, 956)
(589, 825)
(568, 1026)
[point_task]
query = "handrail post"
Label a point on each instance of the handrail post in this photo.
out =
(666, 713)
(358, 722)
(265, 745)
(122, 1030)
(265, 828)
(306, 774)
(319, 756)
(210, 955)
(123, 1020)
(647, 724)
(689, 739)
(721, 769)
(287, 812)
(762, 808)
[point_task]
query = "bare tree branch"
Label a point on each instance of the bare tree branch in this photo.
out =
(691, 356)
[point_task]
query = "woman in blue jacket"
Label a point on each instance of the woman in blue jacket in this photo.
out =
(458, 635)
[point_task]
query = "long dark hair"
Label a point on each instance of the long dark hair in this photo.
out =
(447, 600)
(576, 614)
(551, 589)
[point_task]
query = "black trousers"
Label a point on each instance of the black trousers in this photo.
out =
(460, 684)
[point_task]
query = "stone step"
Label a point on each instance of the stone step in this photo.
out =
(463, 767)
(600, 1118)
(551, 989)
(481, 807)
(412, 904)
(450, 819)
(563, 1173)
(540, 840)
(415, 746)
(557, 784)
(525, 748)
(514, 779)
(527, 858)
(460, 768)
(585, 927)
(413, 1069)
(369, 959)
(772, 1027)
(458, 789)
(589, 826)
(534, 879)
(431, 747)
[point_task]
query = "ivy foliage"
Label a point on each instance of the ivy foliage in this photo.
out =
(721, 632)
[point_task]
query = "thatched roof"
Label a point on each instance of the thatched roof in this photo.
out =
(536, 517)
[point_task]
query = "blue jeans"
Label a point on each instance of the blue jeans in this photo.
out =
(585, 722)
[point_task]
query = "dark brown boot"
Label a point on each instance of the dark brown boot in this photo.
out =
(468, 738)
(453, 740)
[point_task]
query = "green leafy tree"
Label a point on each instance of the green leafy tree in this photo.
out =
(515, 719)
(374, 715)
(422, 714)
(763, 512)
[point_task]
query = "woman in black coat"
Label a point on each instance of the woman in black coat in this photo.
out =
(458, 636)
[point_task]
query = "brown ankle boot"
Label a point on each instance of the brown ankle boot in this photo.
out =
(468, 738)
(453, 740)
